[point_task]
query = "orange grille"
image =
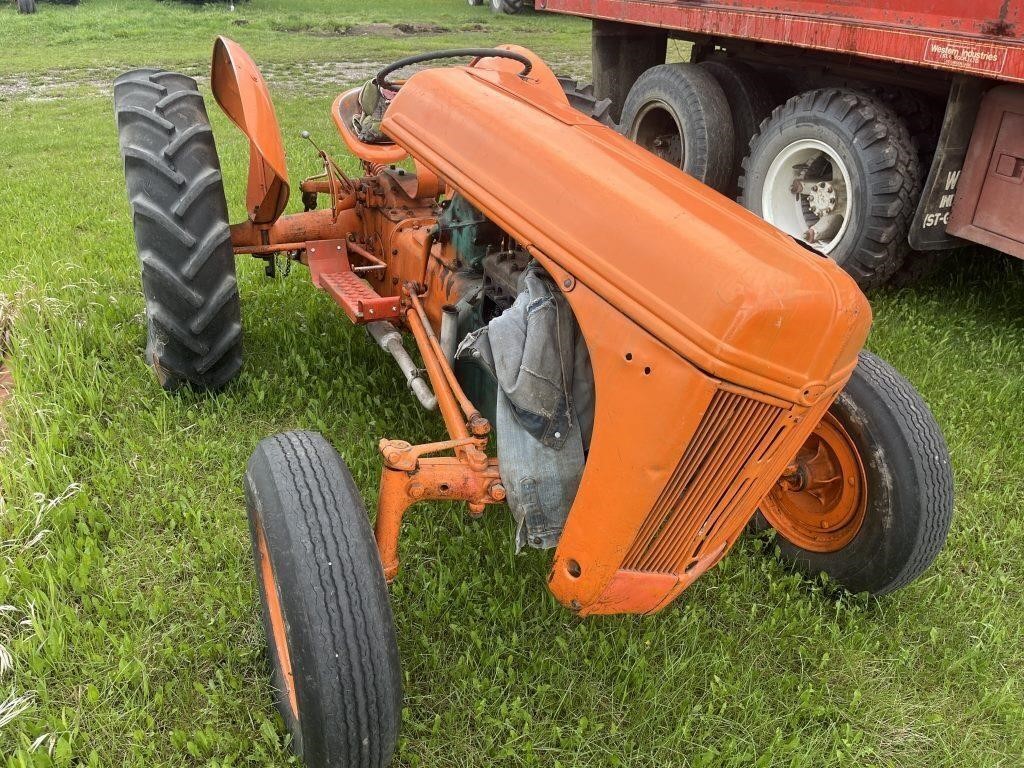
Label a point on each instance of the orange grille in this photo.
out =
(700, 504)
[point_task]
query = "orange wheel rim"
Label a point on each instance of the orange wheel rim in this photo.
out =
(276, 617)
(820, 502)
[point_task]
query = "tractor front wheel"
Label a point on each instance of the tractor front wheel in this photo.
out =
(333, 651)
(180, 218)
(869, 498)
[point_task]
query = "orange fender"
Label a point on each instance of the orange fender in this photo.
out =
(242, 93)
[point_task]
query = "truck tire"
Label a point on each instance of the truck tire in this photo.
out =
(871, 502)
(750, 103)
(26, 6)
(180, 219)
(680, 113)
(582, 99)
(861, 172)
(330, 633)
(507, 6)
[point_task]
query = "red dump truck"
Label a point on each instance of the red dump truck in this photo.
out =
(879, 133)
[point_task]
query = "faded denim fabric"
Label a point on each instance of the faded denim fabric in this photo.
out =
(538, 358)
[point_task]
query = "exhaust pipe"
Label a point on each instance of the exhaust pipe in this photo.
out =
(449, 332)
(389, 339)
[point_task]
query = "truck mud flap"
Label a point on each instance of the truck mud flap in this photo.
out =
(928, 230)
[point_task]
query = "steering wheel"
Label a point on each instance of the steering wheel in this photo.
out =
(476, 53)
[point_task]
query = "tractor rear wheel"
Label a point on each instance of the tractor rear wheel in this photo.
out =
(331, 637)
(869, 498)
(680, 113)
(26, 6)
(582, 99)
(180, 218)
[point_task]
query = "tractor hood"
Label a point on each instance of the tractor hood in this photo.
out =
(710, 280)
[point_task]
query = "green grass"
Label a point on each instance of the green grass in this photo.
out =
(133, 623)
(131, 33)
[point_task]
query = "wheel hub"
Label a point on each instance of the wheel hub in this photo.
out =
(820, 501)
(821, 197)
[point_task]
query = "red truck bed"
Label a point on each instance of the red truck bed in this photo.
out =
(983, 37)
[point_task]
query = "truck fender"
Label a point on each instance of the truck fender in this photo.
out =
(242, 94)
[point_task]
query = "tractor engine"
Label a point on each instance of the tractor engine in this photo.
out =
(522, 360)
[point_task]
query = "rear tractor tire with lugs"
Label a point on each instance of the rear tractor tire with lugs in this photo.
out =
(180, 218)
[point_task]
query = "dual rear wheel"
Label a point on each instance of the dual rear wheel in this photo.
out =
(833, 167)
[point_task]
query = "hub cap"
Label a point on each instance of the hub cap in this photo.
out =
(820, 501)
(807, 194)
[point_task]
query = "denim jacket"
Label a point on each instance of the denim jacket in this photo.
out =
(537, 356)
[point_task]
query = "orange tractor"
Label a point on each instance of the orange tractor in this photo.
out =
(629, 361)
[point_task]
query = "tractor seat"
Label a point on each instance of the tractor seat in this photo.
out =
(354, 122)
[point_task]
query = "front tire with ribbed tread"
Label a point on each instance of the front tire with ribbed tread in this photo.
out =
(909, 485)
(333, 598)
(180, 217)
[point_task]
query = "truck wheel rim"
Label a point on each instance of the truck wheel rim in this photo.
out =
(275, 615)
(820, 502)
(657, 130)
(806, 194)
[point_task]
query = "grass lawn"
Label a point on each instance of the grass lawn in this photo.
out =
(129, 622)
